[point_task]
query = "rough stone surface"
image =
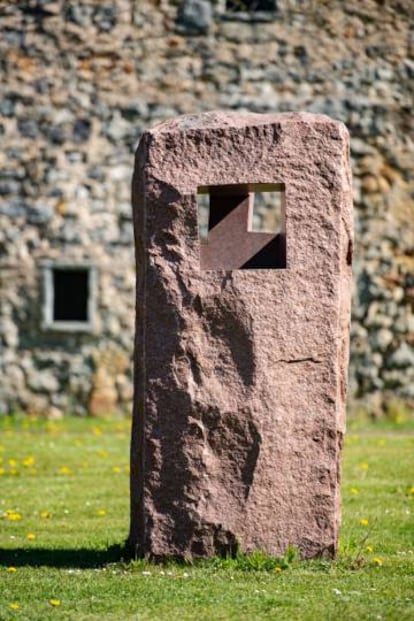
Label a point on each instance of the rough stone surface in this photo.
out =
(240, 375)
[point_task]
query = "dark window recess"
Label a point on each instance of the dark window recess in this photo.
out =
(71, 293)
(250, 6)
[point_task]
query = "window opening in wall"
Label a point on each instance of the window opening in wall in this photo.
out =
(71, 293)
(242, 226)
(69, 297)
(250, 6)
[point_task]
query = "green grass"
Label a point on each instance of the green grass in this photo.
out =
(68, 484)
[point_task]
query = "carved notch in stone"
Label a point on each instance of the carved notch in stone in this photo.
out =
(231, 243)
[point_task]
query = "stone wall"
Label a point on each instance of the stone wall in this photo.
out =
(82, 78)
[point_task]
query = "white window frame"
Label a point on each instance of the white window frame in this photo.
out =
(49, 323)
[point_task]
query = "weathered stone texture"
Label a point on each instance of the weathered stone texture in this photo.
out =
(80, 81)
(240, 375)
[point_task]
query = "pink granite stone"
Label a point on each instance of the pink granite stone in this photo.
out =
(240, 374)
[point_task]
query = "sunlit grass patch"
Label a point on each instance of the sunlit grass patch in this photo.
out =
(79, 517)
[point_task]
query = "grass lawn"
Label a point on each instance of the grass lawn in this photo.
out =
(64, 517)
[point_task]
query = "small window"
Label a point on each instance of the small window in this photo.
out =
(71, 293)
(250, 6)
(69, 300)
(242, 226)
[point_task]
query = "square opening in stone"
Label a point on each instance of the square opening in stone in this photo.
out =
(69, 297)
(242, 226)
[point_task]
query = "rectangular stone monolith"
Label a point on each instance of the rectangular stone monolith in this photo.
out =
(241, 345)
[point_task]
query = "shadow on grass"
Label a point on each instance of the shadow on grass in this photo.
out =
(81, 558)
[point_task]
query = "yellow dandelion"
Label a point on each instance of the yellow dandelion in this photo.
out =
(103, 453)
(116, 469)
(54, 602)
(369, 549)
(354, 491)
(11, 569)
(2, 471)
(101, 512)
(364, 466)
(31, 536)
(14, 605)
(13, 516)
(12, 463)
(411, 490)
(13, 472)
(45, 515)
(127, 469)
(29, 461)
(65, 470)
(277, 569)
(364, 522)
(377, 561)
(97, 431)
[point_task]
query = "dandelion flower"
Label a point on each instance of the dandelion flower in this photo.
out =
(12, 463)
(412, 490)
(369, 549)
(45, 514)
(364, 466)
(101, 512)
(364, 522)
(377, 561)
(65, 470)
(31, 536)
(11, 569)
(116, 469)
(29, 461)
(14, 605)
(54, 602)
(13, 516)
(97, 431)
(354, 491)
(278, 569)
(2, 471)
